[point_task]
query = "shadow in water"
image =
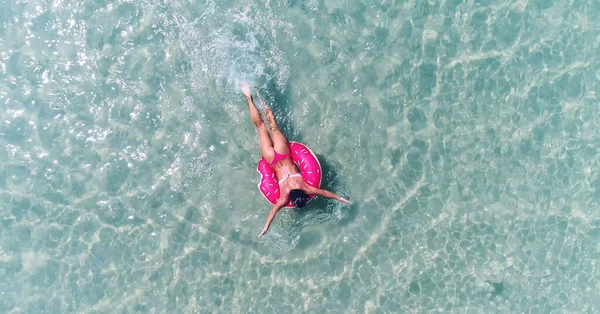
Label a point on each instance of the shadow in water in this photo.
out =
(324, 210)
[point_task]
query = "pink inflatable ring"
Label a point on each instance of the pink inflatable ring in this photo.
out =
(307, 162)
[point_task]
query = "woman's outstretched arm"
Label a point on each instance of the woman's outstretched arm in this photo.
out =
(325, 193)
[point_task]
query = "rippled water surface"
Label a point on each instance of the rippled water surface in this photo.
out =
(466, 133)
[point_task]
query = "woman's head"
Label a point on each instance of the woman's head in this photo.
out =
(299, 198)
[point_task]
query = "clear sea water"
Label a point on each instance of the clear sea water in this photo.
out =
(466, 132)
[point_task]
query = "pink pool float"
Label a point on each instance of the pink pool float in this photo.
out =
(307, 163)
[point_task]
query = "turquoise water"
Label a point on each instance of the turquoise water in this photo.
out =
(466, 133)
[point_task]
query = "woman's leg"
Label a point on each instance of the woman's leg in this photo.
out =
(264, 140)
(280, 142)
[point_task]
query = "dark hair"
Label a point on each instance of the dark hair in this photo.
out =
(298, 198)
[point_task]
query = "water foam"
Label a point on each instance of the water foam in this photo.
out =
(231, 46)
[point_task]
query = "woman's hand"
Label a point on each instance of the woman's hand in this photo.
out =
(262, 233)
(345, 201)
(280, 203)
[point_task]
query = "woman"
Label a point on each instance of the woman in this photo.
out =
(275, 151)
